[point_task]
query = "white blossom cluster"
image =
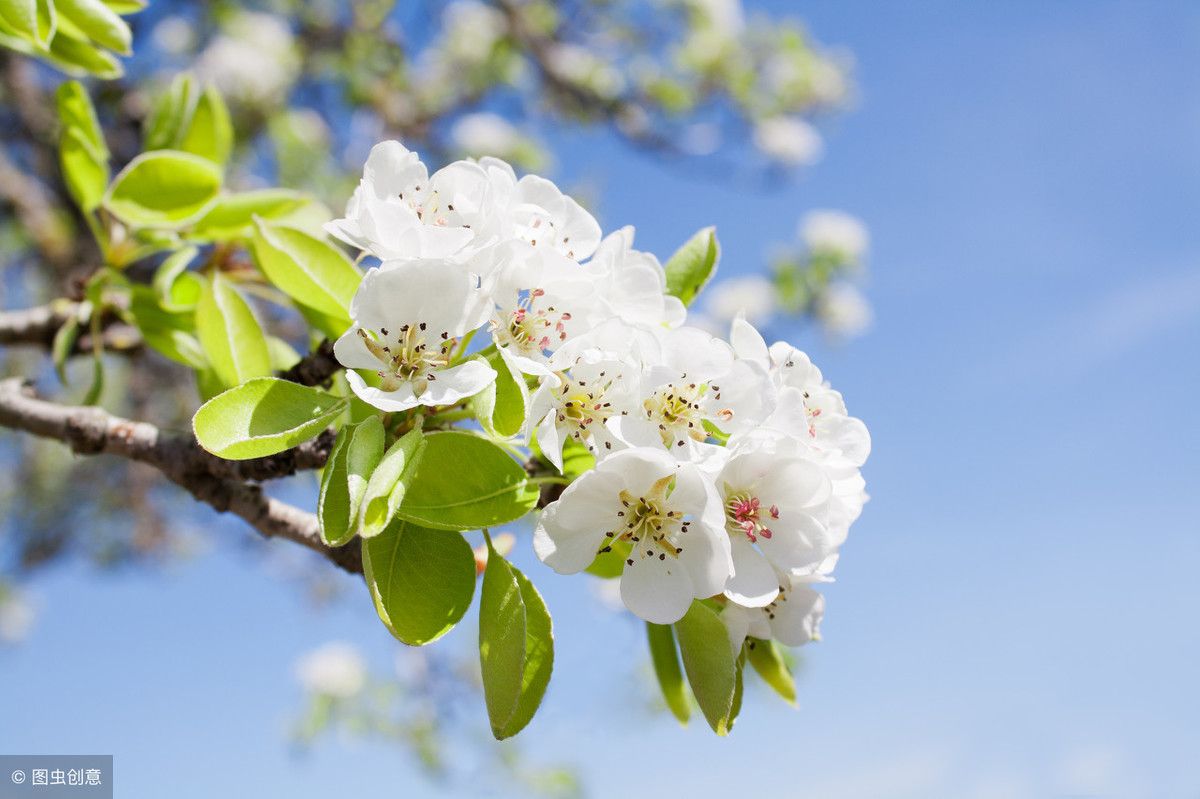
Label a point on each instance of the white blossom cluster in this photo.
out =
(723, 468)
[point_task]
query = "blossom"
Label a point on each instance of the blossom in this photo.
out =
(484, 133)
(400, 211)
(631, 284)
(792, 618)
(334, 669)
(662, 515)
(16, 615)
(843, 310)
(253, 60)
(408, 318)
(789, 140)
(752, 297)
(534, 210)
(836, 233)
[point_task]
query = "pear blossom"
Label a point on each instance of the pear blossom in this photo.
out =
(16, 615)
(788, 140)
(334, 669)
(662, 515)
(843, 311)
(750, 296)
(482, 133)
(408, 318)
(836, 233)
(792, 618)
(534, 210)
(632, 284)
(254, 59)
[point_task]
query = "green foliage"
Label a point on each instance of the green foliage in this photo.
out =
(356, 452)
(314, 273)
(164, 188)
(464, 482)
(83, 154)
(665, 658)
(768, 660)
(711, 666)
(262, 417)
(693, 265)
(230, 334)
(73, 35)
(422, 581)
(516, 646)
(502, 406)
(232, 215)
(389, 483)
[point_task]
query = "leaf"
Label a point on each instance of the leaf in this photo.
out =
(767, 659)
(76, 56)
(170, 114)
(232, 215)
(356, 452)
(389, 483)
(422, 581)
(33, 20)
(710, 664)
(84, 171)
(171, 333)
(124, 7)
(665, 658)
(263, 416)
(98, 22)
(231, 336)
(693, 265)
(516, 646)
(501, 407)
(64, 345)
(75, 111)
(311, 271)
(209, 132)
(174, 291)
(465, 482)
(163, 188)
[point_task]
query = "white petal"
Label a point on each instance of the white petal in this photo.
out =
(658, 590)
(737, 623)
(753, 582)
(571, 529)
(399, 400)
(352, 353)
(798, 619)
(797, 541)
(706, 554)
(457, 383)
(748, 343)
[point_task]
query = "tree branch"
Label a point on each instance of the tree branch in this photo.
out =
(38, 325)
(221, 484)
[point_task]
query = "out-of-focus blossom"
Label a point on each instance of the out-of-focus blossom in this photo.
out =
(485, 134)
(752, 296)
(471, 28)
(844, 311)
(16, 616)
(334, 669)
(789, 140)
(253, 60)
(723, 15)
(836, 233)
(174, 35)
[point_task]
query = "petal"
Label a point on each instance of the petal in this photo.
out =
(707, 557)
(753, 582)
(656, 589)
(797, 541)
(399, 400)
(549, 440)
(352, 353)
(748, 343)
(797, 617)
(447, 386)
(437, 292)
(737, 623)
(572, 528)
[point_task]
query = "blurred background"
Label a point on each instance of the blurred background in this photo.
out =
(1019, 330)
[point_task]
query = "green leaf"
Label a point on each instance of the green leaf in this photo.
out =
(311, 271)
(163, 188)
(232, 215)
(171, 333)
(98, 22)
(465, 482)
(174, 291)
(693, 265)
(231, 336)
(32, 20)
(64, 345)
(516, 646)
(710, 664)
(666, 668)
(501, 407)
(283, 355)
(263, 416)
(125, 7)
(767, 659)
(422, 580)
(356, 452)
(170, 114)
(84, 172)
(389, 483)
(209, 133)
(75, 111)
(75, 56)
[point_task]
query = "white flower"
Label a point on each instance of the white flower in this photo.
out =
(471, 29)
(399, 210)
(751, 296)
(174, 35)
(334, 669)
(661, 515)
(534, 210)
(775, 499)
(16, 616)
(254, 60)
(789, 140)
(844, 311)
(835, 232)
(485, 134)
(408, 317)
(631, 284)
(793, 618)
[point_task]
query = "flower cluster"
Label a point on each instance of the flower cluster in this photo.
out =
(724, 469)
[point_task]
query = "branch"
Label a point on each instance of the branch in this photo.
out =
(315, 368)
(211, 480)
(38, 325)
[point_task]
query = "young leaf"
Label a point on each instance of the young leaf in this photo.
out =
(516, 646)
(209, 133)
(422, 581)
(465, 482)
(84, 171)
(231, 336)
(232, 215)
(171, 333)
(356, 452)
(263, 416)
(164, 188)
(693, 264)
(710, 665)
(75, 56)
(311, 271)
(767, 659)
(75, 111)
(389, 483)
(666, 668)
(98, 22)
(501, 407)
(170, 114)
(64, 344)
(173, 292)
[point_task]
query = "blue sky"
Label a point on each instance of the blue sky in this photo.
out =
(1015, 612)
